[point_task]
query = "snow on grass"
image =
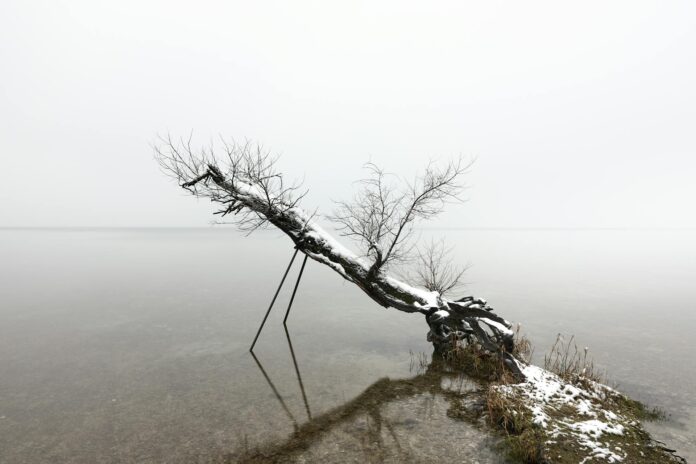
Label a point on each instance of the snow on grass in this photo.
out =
(564, 411)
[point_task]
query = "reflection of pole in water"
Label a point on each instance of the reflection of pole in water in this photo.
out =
(275, 391)
(297, 371)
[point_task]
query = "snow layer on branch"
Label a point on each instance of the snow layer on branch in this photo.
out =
(431, 298)
(497, 325)
(337, 248)
(249, 190)
(333, 265)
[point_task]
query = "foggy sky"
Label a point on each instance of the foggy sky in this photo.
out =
(579, 114)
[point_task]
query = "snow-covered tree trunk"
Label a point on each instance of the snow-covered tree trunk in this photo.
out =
(251, 189)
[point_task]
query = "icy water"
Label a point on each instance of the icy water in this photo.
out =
(130, 345)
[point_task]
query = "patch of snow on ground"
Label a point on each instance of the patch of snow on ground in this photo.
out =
(596, 428)
(547, 397)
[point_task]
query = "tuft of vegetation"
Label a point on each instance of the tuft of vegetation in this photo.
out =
(476, 362)
(570, 363)
(522, 348)
(522, 440)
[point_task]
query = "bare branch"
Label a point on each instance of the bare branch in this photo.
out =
(436, 271)
(382, 214)
(244, 167)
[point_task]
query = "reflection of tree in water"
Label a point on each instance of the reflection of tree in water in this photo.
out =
(363, 418)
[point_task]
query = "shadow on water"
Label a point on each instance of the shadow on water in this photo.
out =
(432, 416)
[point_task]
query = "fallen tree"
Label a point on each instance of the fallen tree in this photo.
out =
(244, 182)
(558, 414)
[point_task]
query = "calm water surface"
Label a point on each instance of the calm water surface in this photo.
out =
(130, 345)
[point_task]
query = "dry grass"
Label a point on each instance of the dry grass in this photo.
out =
(488, 366)
(478, 363)
(419, 362)
(523, 440)
(570, 363)
(523, 349)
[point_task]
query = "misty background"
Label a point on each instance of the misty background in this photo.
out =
(578, 115)
(132, 343)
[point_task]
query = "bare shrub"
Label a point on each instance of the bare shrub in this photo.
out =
(382, 214)
(436, 271)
